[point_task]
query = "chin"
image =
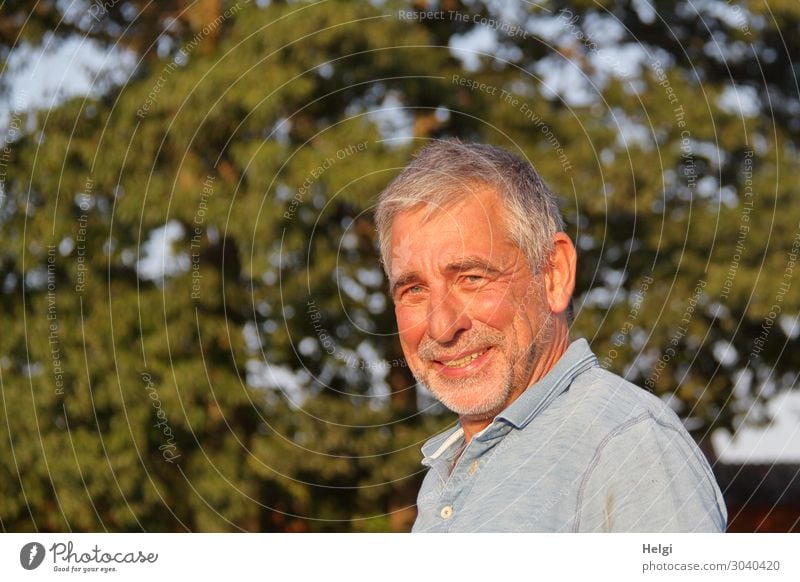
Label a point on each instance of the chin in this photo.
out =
(472, 401)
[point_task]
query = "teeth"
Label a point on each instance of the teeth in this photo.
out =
(463, 361)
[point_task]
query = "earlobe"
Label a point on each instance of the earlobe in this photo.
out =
(560, 275)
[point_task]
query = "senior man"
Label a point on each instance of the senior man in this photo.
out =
(482, 275)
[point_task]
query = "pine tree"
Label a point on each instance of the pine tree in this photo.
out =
(197, 333)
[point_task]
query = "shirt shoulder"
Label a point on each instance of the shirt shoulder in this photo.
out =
(646, 472)
(608, 400)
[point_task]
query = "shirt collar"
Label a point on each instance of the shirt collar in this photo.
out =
(437, 445)
(576, 359)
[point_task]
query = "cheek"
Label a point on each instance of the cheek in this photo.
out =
(510, 312)
(530, 317)
(410, 325)
(495, 309)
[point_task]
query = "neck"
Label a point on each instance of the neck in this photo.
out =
(552, 352)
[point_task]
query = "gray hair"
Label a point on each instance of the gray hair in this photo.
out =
(446, 171)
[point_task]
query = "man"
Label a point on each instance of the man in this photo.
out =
(482, 275)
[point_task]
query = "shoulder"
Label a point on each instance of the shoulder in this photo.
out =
(634, 429)
(602, 410)
(645, 466)
(611, 401)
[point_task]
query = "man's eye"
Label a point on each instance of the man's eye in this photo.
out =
(473, 279)
(410, 291)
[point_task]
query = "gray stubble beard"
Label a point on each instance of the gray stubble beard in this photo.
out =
(490, 408)
(483, 409)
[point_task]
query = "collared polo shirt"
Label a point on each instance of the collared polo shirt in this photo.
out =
(581, 450)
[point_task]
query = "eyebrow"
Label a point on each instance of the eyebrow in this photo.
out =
(403, 280)
(470, 263)
(465, 264)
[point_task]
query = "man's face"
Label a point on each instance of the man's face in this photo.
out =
(471, 315)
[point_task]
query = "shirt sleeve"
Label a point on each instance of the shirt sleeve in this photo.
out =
(649, 476)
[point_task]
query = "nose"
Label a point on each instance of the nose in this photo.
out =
(447, 317)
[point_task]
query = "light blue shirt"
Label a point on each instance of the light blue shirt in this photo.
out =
(581, 450)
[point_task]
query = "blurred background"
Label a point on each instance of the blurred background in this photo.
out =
(196, 334)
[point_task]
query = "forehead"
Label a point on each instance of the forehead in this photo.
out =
(475, 224)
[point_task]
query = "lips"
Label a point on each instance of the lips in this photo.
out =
(461, 362)
(461, 366)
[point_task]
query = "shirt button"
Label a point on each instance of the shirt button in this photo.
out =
(473, 467)
(446, 512)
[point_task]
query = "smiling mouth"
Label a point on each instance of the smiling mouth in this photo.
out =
(463, 362)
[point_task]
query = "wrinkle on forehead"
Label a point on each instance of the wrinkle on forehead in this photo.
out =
(461, 232)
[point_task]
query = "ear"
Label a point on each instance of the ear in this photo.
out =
(559, 278)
